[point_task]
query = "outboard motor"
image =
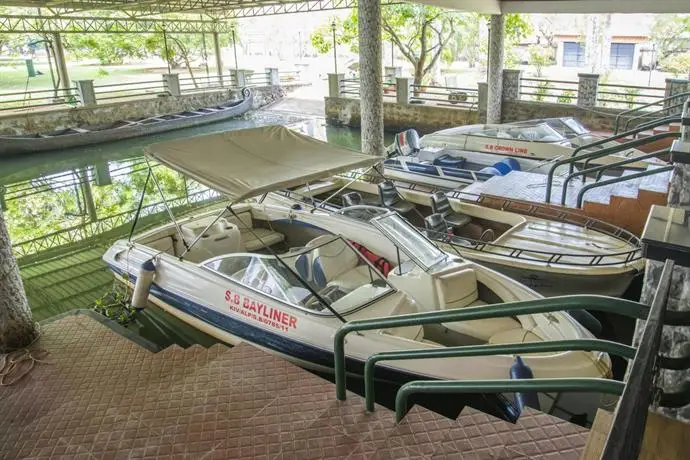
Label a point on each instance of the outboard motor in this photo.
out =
(406, 143)
(143, 284)
(520, 371)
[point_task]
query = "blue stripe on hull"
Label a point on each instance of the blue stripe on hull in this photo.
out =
(494, 404)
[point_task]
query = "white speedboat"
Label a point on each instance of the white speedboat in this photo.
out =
(448, 168)
(542, 139)
(285, 279)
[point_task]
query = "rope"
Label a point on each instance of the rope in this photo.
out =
(12, 367)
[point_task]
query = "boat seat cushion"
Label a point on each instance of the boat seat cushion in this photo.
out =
(220, 238)
(352, 279)
(165, 244)
(484, 329)
(518, 335)
(259, 238)
(457, 289)
(337, 263)
(450, 162)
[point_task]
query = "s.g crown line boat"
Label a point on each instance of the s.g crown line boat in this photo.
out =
(285, 279)
(542, 139)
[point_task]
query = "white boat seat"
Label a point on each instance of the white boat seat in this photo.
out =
(337, 263)
(457, 289)
(518, 335)
(220, 238)
(254, 238)
(165, 244)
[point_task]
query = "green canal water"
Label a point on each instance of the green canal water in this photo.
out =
(64, 208)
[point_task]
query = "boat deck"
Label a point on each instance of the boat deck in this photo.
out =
(101, 395)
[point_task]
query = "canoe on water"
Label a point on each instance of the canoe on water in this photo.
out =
(123, 129)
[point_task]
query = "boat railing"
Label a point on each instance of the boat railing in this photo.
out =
(648, 172)
(666, 108)
(599, 170)
(109, 92)
(637, 391)
(548, 257)
(39, 98)
(575, 158)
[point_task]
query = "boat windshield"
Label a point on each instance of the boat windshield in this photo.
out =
(566, 127)
(409, 240)
(538, 132)
(329, 266)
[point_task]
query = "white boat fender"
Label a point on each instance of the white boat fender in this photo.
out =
(521, 371)
(587, 320)
(143, 284)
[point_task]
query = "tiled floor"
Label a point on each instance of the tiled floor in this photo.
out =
(103, 396)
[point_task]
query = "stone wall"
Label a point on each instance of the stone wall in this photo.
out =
(424, 118)
(599, 119)
(50, 120)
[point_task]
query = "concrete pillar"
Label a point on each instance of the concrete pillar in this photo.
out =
(273, 76)
(88, 195)
(495, 69)
(171, 81)
(587, 89)
(512, 83)
(675, 86)
(86, 93)
(61, 61)
(482, 95)
(240, 77)
(334, 83)
(370, 87)
(402, 90)
(674, 340)
(219, 58)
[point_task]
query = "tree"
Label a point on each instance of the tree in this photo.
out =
(667, 32)
(109, 49)
(419, 32)
(678, 64)
(17, 329)
(539, 57)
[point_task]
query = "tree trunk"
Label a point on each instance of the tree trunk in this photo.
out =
(17, 329)
(418, 78)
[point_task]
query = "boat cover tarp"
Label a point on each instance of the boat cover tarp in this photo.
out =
(249, 162)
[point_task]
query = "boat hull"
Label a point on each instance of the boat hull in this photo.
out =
(23, 145)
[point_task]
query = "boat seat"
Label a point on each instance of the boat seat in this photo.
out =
(518, 335)
(221, 238)
(338, 264)
(254, 238)
(352, 199)
(441, 205)
(390, 198)
(457, 289)
(165, 244)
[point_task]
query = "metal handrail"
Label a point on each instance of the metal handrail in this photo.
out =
(635, 143)
(649, 172)
(627, 428)
(607, 151)
(605, 346)
(561, 303)
(562, 385)
(600, 169)
(650, 104)
(646, 115)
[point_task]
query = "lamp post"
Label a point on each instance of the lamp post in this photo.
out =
(652, 64)
(335, 55)
(234, 44)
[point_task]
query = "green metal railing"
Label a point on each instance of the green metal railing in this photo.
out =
(487, 350)
(600, 170)
(649, 172)
(636, 143)
(640, 108)
(647, 115)
(552, 304)
(574, 157)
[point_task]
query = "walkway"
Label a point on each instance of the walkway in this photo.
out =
(104, 396)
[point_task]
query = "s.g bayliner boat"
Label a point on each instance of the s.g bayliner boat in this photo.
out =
(285, 279)
(542, 139)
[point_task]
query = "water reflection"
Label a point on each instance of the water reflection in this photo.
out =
(64, 208)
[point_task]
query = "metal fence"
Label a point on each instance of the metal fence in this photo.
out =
(257, 78)
(448, 96)
(130, 89)
(349, 87)
(543, 90)
(289, 76)
(627, 96)
(206, 82)
(39, 98)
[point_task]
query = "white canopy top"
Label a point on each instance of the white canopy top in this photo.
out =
(250, 162)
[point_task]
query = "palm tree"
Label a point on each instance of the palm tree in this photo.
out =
(17, 329)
